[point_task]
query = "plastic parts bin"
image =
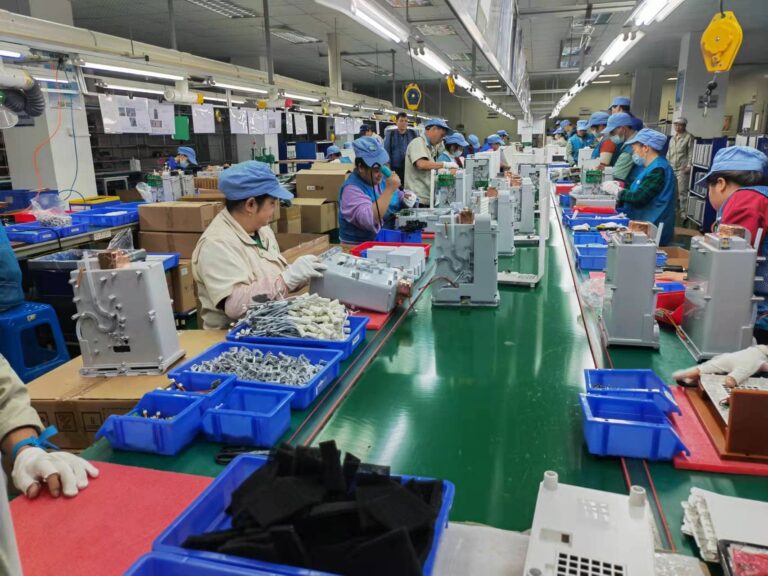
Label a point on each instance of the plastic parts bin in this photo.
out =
(628, 427)
(661, 259)
(59, 231)
(592, 256)
(157, 436)
(304, 394)
(210, 388)
(565, 200)
(581, 238)
(357, 325)
(115, 215)
(360, 248)
(386, 235)
(592, 220)
(157, 564)
(643, 384)
(169, 259)
(249, 416)
(21, 199)
(23, 233)
(207, 513)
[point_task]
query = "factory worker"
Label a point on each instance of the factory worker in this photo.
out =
(504, 136)
(619, 128)
(557, 135)
(185, 160)
(738, 190)
(396, 144)
(367, 130)
(421, 158)
(651, 196)
(367, 198)
(680, 156)
(454, 149)
(474, 145)
(596, 124)
(237, 258)
(492, 142)
(567, 127)
(333, 154)
(576, 142)
(619, 104)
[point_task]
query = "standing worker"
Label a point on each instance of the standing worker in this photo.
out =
(620, 130)
(596, 124)
(396, 143)
(185, 160)
(363, 205)
(651, 196)
(237, 258)
(680, 156)
(421, 158)
(620, 104)
(567, 127)
(576, 142)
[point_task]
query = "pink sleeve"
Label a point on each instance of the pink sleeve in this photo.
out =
(356, 209)
(242, 296)
(749, 209)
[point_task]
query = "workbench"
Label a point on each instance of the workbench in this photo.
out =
(487, 398)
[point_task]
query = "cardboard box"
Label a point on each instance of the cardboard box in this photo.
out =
(317, 215)
(676, 256)
(78, 406)
(207, 182)
(324, 184)
(183, 287)
(130, 195)
(182, 242)
(331, 166)
(177, 216)
(205, 195)
(169, 282)
(294, 245)
(290, 220)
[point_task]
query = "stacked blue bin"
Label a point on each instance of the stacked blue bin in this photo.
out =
(625, 414)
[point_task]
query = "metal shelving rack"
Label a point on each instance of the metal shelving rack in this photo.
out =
(698, 209)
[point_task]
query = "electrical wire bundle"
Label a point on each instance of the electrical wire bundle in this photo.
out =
(305, 316)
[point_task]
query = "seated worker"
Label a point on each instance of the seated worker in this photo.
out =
(618, 130)
(185, 160)
(333, 154)
(421, 158)
(363, 205)
(504, 136)
(474, 145)
(576, 142)
(603, 147)
(652, 195)
(492, 142)
(557, 136)
(738, 190)
(568, 130)
(454, 149)
(237, 258)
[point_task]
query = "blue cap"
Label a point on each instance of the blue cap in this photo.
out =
(494, 139)
(620, 101)
(455, 138)
(502, 133)
(617, 121)
(370, 151)
(558, 131)
(565, 123)
(737, 158)
(347, 145)
(250, 179)
(637, 124)
(652, 138)
(332, 150)
(365, 128)
(582, 124)
(189, 153)
(437, 122)
(598, 119)
(474, 140)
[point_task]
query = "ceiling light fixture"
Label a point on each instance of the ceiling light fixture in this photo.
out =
(293, 36)
(601, 81)
(609, 75)
(132, 71)
(342, 104)
(651, 11)
(224, 8)
(432, 60)
(620, 46)
(672, 78)
(240, 88)
(301, 97)
(10, 54)
(224, 100)
(132, 89)
(371, 16)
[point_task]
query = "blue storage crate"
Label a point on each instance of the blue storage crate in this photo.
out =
(168, 437)
(21, 199)
(581, 238)
(104, 217)
(210, 388)
(661, 258)
(643, 384)
(22, 233)
(357, 325)
(565, 200)
(670, 286)
(169, 259)
(386, 235)
(207, 513)
(303, 395)
(628, 427)
(592, 256)
(593, 220)
(60, 231)
(158, 564)
(249, 416)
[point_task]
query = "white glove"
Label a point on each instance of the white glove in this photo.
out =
(302, 271)
(738, 366)
(409, 199)
(34, 466)
(612, 187)
(450, 165)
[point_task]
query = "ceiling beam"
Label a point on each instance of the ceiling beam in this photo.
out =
(579, 9)
(549, 91)
(554, 72)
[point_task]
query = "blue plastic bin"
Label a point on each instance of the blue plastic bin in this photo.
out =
(249, 416)
(59, 231)
(670, 286)
(565, 200)
(357, 325)
(386, 235)
(135, 433)
(661, 259)
(170, 259)
(200, 385)
(581, 238)
(592, 256)
(592, 220)
(628, 427)
(21, 199)
(158, 564)
(103, 217)
(643, 384)
(207, 513)
(21, 233)
(303, 395)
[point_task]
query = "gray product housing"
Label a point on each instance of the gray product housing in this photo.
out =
(125, 321)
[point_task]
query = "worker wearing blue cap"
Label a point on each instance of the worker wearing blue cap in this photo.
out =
(737, 185)
(651, 197)
(596, 124)
(455, 144)
(619, 104)
(492, 142)
(333, 154)
(576, 142)
(620, 130)
(364, 204)
(568, 129)
(237, 258)
(474, 145)
(421, 158)
(504, 135)
(185, 160)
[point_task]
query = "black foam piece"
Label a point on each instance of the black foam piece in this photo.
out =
(350, 468)
(258, 549)
(330, 523)
(429, 491)
(386, 555)
(309, 462)
(289, 546)
(398, 507)
(285, 455)
(283, 499)
(262, 477)
(333, 475)
(212, 540)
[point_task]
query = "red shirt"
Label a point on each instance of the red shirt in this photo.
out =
(607, 146)
(749, 209)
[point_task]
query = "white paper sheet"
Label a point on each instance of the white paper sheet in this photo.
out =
(109, 116)
(132, 115)
(274, 122)
(162, 119)
(202, 119)
(238, 120)
(340, 126)
(315, 129)
(257, 122)
(300, 123)
(289, 123)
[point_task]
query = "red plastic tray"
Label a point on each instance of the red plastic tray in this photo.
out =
(593, 210)
(358, 250)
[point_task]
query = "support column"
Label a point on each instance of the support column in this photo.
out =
(172, 25)
(646, 93)
(692, 79)
(268, 43)
(334, 62)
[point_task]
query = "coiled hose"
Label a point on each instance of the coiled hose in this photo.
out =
(31, 101)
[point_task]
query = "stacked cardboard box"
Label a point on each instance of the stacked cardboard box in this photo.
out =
(317, 192)
(290, 220)
(175, 226)
(294, 245)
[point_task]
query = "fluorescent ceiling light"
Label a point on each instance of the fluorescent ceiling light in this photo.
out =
(432, 60)
(301, 97)
(493, 86)
(132, 89)
(56, 80)
(601, 81)
(10, 54)
(241, 88)
(588, 75)
(293, 36)
(342, 104)
(224, 100)
(650, 11)
(463, 82)
(388, 111)
(619, 47)
(133, 71)
(371, 16)
(305, 109)
(224, 8)
(672, 78)
(609, 75)
(668, 9)
(489, 81)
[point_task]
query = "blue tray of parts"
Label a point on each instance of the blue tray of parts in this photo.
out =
(21, 199)
(116, 215)
(158, 564)
(357, 325)
(386, 235)
(661, 259)
(642, 384)
(207, 513)
(591, 256)
(59, 231)
(169, 259)
(581, 238)
(22, 233)
(565, 200)
(628, 427)
(136, 433)
(591, 219)
(249, 416)
(210, 388)
(304, 394)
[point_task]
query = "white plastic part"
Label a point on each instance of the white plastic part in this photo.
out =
(550, 480)
(637, 496)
